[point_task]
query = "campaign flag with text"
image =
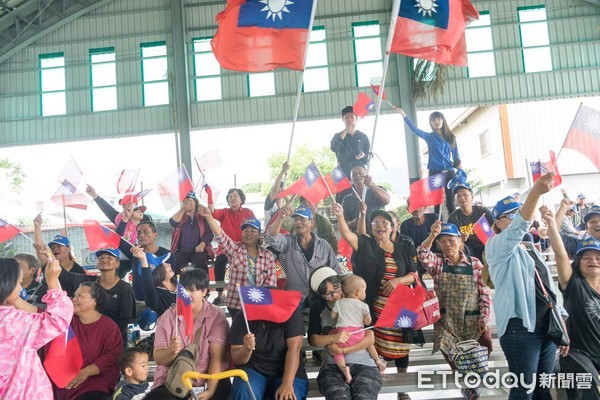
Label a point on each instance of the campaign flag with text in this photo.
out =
(311, 186)
(100, 237)
(262, 35)
(268, 304)
(63, 360)
(584, 135)
(427, 192)
(173, 189)
(184, 309)
(483, 230)
(540, 168)
(435, 33)
(363, 105)
(7, 231)
(337, 180)
(127, 180)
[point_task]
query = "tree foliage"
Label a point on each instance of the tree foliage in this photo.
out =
(14, 174)
(304, 155)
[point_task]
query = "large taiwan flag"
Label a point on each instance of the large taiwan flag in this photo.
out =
(434, 30)
(63, 358)
(262, 35)
(268, 304)
(427, 192)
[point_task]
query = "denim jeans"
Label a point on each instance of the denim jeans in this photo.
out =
(264, 386)
(528, 353)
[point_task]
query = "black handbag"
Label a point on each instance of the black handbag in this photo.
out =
(557, 329)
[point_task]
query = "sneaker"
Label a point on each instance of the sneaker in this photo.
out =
(219, 300)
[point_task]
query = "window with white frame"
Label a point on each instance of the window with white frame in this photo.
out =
(367, 52)
(155, 86)
(533, 28)
(316, 73)
(52, 84)
(261, 84)
(103, 77)
(206, 71)
(480, 47)
(484, 143)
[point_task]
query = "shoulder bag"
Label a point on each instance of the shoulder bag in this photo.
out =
(184, 362)
(557, 329)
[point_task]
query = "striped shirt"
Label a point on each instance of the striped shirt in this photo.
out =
(298, 268)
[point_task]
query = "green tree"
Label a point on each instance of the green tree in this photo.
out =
(253, 187)
(14, 174)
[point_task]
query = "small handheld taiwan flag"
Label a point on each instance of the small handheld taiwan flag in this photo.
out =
(337, 180)
(98, 236)
(427, 192)
(7, 231)
(483, 230)
(63, 360)
(184, 309)
(311, 186)
(363, 105)
(539, 168)
(268, 304)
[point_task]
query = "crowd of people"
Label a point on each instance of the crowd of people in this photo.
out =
(35, 291)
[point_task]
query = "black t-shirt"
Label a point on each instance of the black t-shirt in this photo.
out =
(582, 303)
(465, 225)
(541, 304)
(418, 233)
(268, 358)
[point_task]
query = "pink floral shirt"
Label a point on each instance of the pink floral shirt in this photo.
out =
(22, 334)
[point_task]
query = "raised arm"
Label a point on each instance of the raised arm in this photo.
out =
(563, 264)
(361, 228)
(277, 184)
(108, 210)
(177, 217)
(38, 240)
(345, 231)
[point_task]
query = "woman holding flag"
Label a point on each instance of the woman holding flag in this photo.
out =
(174, 333)
(23, 331)
(384, 265)
(249, 263)
(443, 150)
(461, 291)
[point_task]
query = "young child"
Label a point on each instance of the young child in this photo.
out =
(352, 315)
(133, 365)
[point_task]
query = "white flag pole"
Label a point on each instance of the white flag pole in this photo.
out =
(386, 61)
(299, 92)
(237, 287)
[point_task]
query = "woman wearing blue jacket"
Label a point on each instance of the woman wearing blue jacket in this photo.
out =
(442, 148)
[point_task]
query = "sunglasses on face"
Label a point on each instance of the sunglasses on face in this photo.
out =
(509, 216)
(336, 289)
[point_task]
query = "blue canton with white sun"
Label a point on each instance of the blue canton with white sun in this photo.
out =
(278, 14)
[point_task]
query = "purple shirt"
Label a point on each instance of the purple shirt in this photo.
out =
(189, 237)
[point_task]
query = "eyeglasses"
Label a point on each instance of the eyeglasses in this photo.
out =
(380, 223)
(336, 289)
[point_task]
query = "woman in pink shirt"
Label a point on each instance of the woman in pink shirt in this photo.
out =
(231, 219)
(23, 331)
(213, 341)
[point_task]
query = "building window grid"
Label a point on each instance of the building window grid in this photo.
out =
(103, 79)
(52, 84)
(261, 84)
(207, 71)
(484, 143)
(316, 73)
(155, 86)
(535, 40)
(368, 54)
(480, 47)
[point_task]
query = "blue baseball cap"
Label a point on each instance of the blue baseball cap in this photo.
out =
(303, 212)
(460, 176)
(61, 240)
(449, 229)
(147, 320)
(463, 185)
(505, 206)
(588, 244)
(252, 222)
(191, 195)
(594, 210)
(580, 196)
(113, 252)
